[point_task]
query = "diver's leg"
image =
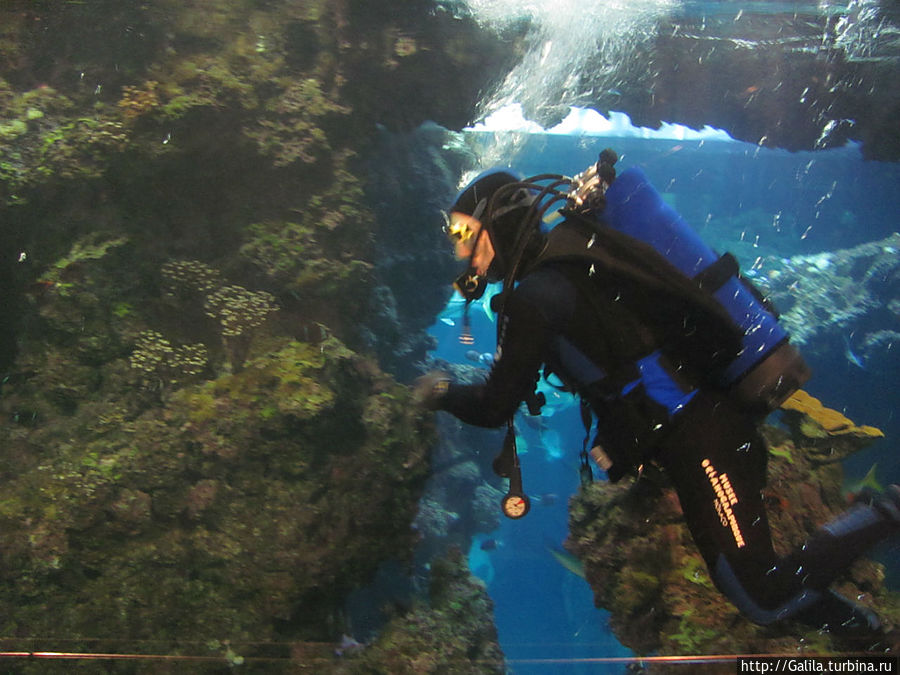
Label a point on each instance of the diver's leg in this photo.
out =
(835, 545)
(717, 461)
(831, 550)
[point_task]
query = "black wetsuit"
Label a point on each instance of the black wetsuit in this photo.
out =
(586, 328)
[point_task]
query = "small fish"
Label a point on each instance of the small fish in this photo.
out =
(852, 357)
(489, 545)
(567, 560)
(348, 646)
(868, 483)
(552, 442)
(482, 359)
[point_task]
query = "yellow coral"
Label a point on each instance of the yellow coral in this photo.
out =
(819, 421)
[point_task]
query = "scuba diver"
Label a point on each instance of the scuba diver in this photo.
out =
(677, 361)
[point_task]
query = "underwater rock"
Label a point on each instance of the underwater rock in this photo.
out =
(412, 180)
(799, 80)
(643, 567)
(452, 633)
(240, 506)
(235, 133)
(462, 495)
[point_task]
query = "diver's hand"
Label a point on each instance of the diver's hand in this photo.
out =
(430, 388)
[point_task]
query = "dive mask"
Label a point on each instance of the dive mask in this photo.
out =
(459, 231)
(469, 284)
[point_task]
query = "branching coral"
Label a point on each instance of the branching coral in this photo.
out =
(238, 311)
(204, 82)
(159, 361)
(831, 291)
(291, 131)
(182, 277)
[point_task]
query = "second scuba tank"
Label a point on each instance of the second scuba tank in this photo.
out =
(768, 369)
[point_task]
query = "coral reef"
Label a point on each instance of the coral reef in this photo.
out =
(291, 130)
(643, 567)
(231, 511)
(157, 359)
(44, 137)
(154, 492)
(453, 632)
(237, 114)
(827, 296)
(413, 179)
(196, 448)
(826, 434)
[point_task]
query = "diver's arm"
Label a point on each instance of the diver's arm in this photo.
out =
(512, 377)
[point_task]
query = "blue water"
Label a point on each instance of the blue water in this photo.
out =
(831, 199)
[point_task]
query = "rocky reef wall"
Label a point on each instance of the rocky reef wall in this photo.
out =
(204, 441)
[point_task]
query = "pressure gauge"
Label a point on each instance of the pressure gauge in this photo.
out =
(515, 506)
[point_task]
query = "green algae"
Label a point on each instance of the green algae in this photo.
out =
(693, 570)
(253, 504)
(783, 452)
(278, 383)
(218, 505)
(91, 247)
(452, 632)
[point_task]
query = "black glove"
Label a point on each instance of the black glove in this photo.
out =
(429, 389)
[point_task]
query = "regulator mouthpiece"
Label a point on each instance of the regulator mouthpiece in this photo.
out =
(470, 285)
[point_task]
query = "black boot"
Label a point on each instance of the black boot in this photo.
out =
(833, 547)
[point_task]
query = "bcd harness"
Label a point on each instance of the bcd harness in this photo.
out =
(712, 341)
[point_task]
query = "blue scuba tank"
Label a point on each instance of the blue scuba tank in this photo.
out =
(768, 369)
